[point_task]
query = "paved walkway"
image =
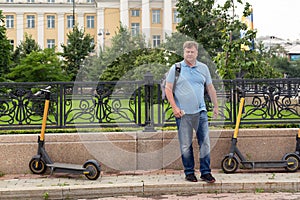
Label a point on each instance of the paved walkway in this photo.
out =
(143, 185)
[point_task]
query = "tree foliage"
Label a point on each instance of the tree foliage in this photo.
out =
(121, 56)
(39, 66)
(24, 48)
(203, 23)
(79, 46)
(218, 30)
(5, 49)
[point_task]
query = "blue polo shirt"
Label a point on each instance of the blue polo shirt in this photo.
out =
(189, 89)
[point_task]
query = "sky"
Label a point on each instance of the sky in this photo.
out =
(279, 18)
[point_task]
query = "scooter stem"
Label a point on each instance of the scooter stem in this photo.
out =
(238, 120)
(45, 115)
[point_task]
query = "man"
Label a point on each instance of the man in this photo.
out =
(189, 109)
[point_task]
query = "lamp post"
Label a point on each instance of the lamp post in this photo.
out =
(272, 37)
(73, 14)
(102, 33)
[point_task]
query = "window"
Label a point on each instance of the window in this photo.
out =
(51, 1)
(176, 19)
(70, 1)
(156, 40)
(30, 1)
(70, 21)
(90, 1)
(50, 43)
(156, 16)
(50, 21)
(30, 21)
(135, 13)
(9, 1)
(90, 21)
(135, 29)
(9, 21)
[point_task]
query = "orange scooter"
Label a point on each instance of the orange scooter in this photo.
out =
(41, 161)
(231, 161)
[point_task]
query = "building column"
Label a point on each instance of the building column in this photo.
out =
(146, 27)
(124, 12)
(168, 18)
(60, 31)
(100, 29)
(20, 27)
(80, 21)
(41, 35)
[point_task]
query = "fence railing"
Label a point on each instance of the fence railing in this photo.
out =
(139, 104)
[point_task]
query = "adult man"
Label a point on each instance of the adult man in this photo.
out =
(189, 109)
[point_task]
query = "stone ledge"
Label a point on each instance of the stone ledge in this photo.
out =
(138, 150)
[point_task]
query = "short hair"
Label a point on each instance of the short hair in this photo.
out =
(190, 44)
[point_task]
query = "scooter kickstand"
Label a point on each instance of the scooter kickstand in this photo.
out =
(51, 171)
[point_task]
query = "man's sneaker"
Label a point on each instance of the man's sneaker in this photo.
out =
(191, 177)
(208, 178)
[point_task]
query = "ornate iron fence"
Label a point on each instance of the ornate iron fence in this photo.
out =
(139, 104)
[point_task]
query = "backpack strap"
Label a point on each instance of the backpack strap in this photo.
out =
(177, 73)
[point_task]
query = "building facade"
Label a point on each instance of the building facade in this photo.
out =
(49, 21)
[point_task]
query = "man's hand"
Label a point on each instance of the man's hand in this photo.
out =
(215, 112)
(177, 112)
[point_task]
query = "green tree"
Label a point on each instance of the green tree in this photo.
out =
(120, 57)
(293, 69)
(5, 49)
(91, 69)
(203, 23)
(218, 30)
(39, 66)
(79, 46)
(24, 48)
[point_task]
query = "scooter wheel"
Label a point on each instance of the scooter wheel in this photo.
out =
(292, 163)
(37, 166)
(229, 165)
(93, 170)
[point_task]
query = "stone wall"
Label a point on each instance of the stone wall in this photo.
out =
(129, 151)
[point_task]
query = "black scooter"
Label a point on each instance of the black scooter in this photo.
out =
(230, 162)
(295, 154)
(41, 161)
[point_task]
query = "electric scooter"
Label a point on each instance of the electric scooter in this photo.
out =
(41, 161)
(297, 151)
(230, 162)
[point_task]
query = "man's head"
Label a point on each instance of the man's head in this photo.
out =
(190, 52)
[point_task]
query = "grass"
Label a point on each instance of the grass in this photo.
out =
(125, 114)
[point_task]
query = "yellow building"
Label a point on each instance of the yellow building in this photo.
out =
(49, 21)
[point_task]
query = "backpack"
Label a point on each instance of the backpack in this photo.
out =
(163, 81)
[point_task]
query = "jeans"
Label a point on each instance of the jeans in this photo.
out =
(185, 125)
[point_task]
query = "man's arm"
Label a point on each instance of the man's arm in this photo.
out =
(170, 97)
(213, 96)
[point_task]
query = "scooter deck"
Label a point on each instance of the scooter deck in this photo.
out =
(65, 165)
(66, 168)
(265, 164)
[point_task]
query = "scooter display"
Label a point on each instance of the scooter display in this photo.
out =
(41, 161)
(231, 161)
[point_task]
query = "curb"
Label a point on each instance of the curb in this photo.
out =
(145, 185)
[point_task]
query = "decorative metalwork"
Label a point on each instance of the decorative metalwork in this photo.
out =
(139, 103)
(272, 100)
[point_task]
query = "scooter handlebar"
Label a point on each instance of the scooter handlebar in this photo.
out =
(241, 90)
(42, 91)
